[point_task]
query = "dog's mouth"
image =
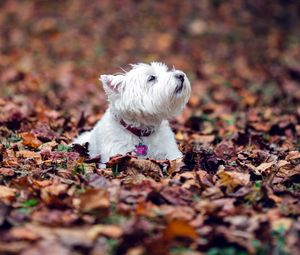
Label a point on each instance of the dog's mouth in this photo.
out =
(179, 88)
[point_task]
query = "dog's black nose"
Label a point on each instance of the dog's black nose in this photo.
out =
(180, 77)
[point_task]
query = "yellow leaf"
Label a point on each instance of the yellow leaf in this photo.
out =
(179, 136)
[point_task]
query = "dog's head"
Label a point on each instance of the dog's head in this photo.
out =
(147, 93)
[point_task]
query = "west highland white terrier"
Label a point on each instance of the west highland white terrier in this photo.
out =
(140, 102)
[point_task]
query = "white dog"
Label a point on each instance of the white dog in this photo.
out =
(140, 101)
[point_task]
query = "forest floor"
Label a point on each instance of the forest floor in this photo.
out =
(237, 189)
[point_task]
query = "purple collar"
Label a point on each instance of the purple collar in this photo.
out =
(136, 131)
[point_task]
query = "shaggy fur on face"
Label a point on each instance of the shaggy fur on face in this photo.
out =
(144, 98)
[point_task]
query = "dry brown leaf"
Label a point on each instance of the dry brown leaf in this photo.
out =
(47, 247)
(55, 189)
(14, 247)
(293, 155)
(67, 236)
(49, 194)
(203, 138)
(263, 167)
(92, 199)
(10, 158)
(146, 167)
(175, 165)
(23, 233)
(111, 231)
(133, 177)
(282, 163)
(30, 155)
(183, 213)
(6, 171)
(30, 140)
(232, 179)
(48, 146)
(6, 192)
(179, 228)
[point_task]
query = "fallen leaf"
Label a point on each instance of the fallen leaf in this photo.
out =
(179, 228)
(146, 167)
(175, 166)
(30, 155)
(92, 199)
(6, 171)
(232, 179)
(203, 138)
(7, 193)
(23, 233)
(50, 194)
(30, 140)
(111, 231)
(47, 247)
(225, 150)
(293, 155)
(263, 167)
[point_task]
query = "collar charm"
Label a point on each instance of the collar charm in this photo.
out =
(141, 149)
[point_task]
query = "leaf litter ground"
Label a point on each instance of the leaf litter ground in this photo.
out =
(236, 191)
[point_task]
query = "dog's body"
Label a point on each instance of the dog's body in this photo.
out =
(140, 101)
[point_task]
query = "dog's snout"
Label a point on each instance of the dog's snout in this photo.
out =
(180, 77)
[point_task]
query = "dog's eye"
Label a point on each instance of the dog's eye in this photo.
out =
(151, 78)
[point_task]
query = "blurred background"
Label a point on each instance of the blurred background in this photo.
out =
(239, 55)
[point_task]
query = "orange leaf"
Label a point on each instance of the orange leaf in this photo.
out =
(179, 228)
(30, 140)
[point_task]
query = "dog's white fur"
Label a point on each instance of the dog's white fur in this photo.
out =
(144, 103)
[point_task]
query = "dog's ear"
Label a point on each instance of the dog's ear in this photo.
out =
(112, 83)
